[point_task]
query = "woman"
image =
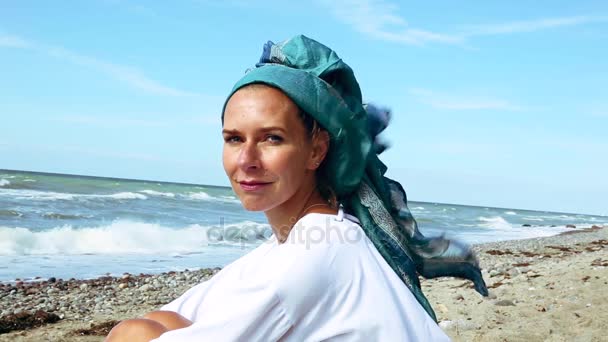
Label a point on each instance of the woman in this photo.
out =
(299, 145)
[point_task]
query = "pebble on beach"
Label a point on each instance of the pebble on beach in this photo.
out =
(24, 305)
(533, 284)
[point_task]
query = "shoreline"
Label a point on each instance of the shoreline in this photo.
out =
(33, 279)
(540, 288)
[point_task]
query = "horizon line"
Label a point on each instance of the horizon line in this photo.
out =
(228, 187)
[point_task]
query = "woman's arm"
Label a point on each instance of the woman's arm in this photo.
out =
(145, 329)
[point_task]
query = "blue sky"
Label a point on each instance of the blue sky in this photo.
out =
(495, 103)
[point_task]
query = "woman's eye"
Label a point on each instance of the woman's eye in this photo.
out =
(232, 139)
(274, 138)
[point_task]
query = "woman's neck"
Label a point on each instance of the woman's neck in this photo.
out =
(282, 220)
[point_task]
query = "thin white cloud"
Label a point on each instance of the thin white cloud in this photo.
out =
(13, 42)
(461, 102)
(533, 25)
(128, 75)
(380, 19)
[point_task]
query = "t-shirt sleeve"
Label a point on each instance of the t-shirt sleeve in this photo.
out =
(187, 304)
(242, 313)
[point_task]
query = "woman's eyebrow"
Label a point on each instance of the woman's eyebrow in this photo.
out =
(272, 128)
(263, 129)
(229, 131)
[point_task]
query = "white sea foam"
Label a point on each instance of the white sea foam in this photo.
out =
(496, 222)
(498, 226)
(538, 219)
(121, 195)
(203, 196)
(21, 194)
(158, 193)
(127, 237)
(4, 182)
(510, 213)
(418, 208)
(200, 196)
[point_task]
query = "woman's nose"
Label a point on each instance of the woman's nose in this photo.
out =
(249, 157)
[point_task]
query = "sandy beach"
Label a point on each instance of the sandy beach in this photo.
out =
(542, 289)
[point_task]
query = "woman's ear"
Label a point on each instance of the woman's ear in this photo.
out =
(320, 146)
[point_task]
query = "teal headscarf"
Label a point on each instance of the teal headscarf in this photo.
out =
(325, 87)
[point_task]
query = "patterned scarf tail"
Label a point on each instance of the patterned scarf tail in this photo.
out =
(380, 203)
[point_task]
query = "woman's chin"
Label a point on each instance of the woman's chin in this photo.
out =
(253, 205)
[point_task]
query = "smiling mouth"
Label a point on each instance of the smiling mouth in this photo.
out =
(253, 186)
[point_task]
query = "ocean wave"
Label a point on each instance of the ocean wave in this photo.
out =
(14, 184)
(54, 196)
(158, 193)
(127, 237)
(10, 213)
(508, 231)
(495, 222)
(59, 216)
(538, 219)
(510, 213)
(37, 195)
(569, 219)
(418, 208)
(203, 196)
(120, 195)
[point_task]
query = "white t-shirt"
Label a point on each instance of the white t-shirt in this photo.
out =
(326, 282)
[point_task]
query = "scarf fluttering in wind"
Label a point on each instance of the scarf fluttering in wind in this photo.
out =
(323, 86)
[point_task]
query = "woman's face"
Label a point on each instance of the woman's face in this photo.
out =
(268, 156)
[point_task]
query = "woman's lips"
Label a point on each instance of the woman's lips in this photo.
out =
(252, 186)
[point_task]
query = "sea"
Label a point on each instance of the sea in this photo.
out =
(67, 226)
